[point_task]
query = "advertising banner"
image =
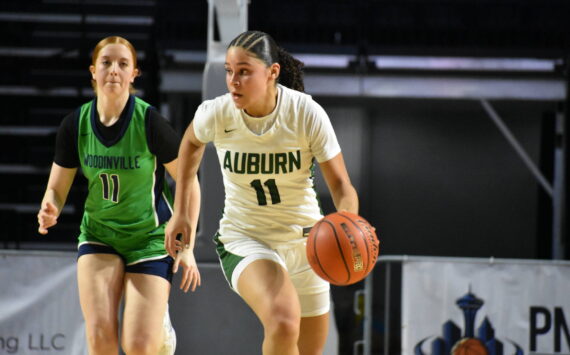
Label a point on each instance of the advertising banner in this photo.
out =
(492, 307)
(39, 304)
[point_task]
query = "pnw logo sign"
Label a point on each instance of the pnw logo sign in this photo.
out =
(452, 342)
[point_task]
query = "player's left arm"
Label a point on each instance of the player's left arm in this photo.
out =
(336, 176)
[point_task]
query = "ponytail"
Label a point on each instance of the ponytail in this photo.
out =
(291, 74)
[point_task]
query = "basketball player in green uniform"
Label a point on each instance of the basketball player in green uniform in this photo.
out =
(267, 134)
(123, 147)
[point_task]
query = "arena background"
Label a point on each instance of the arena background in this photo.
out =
(417, 90)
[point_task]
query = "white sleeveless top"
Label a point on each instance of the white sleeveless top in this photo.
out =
(268, 177)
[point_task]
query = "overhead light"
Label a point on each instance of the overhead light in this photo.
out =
(464, 64)
(325, 60)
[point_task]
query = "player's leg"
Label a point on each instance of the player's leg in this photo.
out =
(314, 298)
(313, 334)
(100, 281)
(265, 286)
(146, 298)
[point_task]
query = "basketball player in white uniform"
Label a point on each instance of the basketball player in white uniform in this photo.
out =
(267, 136)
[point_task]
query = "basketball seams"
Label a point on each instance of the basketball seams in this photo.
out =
(363, 236)
(316, 228)
(327, 257)
(349, 274)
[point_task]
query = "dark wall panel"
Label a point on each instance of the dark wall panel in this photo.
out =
(444, 181)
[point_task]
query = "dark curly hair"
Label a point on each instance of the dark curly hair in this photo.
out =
(263, 47)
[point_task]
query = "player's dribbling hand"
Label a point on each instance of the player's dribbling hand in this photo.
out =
(47, 217)
(191, 274)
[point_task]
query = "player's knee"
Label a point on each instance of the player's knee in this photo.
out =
(140, 345)
(101, 337)
(283, 329)
(284, 326)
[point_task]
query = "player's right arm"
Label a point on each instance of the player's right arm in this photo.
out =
(189, 158)
(59, 183)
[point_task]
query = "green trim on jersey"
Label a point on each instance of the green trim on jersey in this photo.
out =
(312, 177)
(125, 207)
(228, 260)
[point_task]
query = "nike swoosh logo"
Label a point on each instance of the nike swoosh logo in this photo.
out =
(229, 130)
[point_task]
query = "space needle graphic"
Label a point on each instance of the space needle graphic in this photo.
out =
(452, 342)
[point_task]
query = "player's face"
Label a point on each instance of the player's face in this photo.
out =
(250, 81)
(114, 70)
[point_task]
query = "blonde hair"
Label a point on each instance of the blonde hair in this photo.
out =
(114, 40)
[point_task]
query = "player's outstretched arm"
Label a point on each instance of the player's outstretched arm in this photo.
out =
(59, 183)
(187, 198)
(190, 274)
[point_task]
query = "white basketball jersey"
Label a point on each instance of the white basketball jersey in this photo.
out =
(268, 177)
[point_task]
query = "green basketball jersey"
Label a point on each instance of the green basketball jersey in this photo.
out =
(128, 200)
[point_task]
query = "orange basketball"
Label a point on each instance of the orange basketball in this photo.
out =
(469, 346)
(342, 248)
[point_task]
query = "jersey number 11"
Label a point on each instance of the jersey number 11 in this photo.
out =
(114, 194)
(273, 191)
